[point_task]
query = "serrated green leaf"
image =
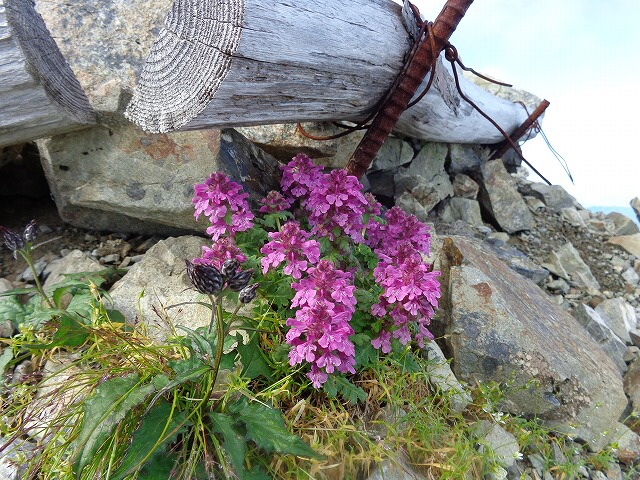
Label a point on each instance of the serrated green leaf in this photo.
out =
(157, 429)
(252, 359)
(366, 354)
(18, 291)
(408, 363)
(337, 384)
(11, 309)
(266, 427)
(186, 370)
(82, 305)
(103, 410)
(233, 442)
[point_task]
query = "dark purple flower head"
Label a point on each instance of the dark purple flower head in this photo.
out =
(240, 279)
(299, 177)
(248, 293)
(29, 234)
(337, 202)
(224, 203)
(12, 240)
(205, 278)
(292, 246)
(274, 202)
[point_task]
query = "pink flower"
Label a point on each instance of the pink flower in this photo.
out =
(274, 202)
(337, 202)
(224, 203)
(221, 250)
(291, 245)
(320, 331)
(299, 177)
(398, 227)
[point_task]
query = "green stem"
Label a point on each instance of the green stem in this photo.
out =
(220, 333)
(32, 267)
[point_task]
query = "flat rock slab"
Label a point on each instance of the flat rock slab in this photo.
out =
(503, 328)
(121, 179)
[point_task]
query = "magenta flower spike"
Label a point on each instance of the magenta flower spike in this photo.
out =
(224, 203)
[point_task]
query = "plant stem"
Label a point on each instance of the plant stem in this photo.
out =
(32, 267)
(220, 333)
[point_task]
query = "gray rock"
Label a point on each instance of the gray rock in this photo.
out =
(396, 469)
(74, 262)
(122, 179)
(630, 276)
(381, 183)
(464, 158)
(464, 209)
(612, 345)
(554, 196)
(623, 225)
(517, 261)
(284, 141)
(464, 186)
(598, 475)
(634, 334)
(503, 444)
(429, 161)
(14, 458)
(442, 377)
(417, 195)
(162, 279)
(5, 285)
(635, 204)
(535, 204)
(572, 217)
(566, 263)
(502, 327)
(39, 265)
(614, 472)
(558, 285)
(631, 243)
(619, 316)
(632, 384)
(500, 199)
(393, 154)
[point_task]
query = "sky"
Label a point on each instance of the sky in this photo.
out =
(584, 57)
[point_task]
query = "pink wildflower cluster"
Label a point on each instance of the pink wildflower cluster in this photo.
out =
(291, 245)
(337, 202)
(222, 249)
(411, 290)
(299, 178)
(320, 331)
(224, 203)
(274, 202)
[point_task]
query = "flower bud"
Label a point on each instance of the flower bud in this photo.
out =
(229, 268)
(29, 234)
(12, 240)
(205, 278)
(240, 280)
(248, 293)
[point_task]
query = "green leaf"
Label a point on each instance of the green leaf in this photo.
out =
(103, 411)
(11, 309)
(233, 442)
(266, 428)
(408, 362)
(186, 370)
(158, 428)
(339, 384)
(252, 359)
(366, 354)
(5, 359)
(70, 333)
(18, 291)
(82, 305)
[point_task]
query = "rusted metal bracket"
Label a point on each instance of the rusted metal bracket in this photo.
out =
(432, 39)
(504, 147)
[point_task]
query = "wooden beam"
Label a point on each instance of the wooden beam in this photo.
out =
(39, 94)
(221, 63)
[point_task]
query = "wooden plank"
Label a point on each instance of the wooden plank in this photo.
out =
(221, 63)
(39, 95)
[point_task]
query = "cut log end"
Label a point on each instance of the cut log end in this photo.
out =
(45, 61)
(181, 75)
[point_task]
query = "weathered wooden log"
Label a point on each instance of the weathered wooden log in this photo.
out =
(39, 94)
(220, 63)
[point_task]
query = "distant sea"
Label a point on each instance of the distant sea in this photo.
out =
(628, 211)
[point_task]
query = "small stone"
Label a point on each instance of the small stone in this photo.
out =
(631, 354)
(7, 329)
(631, 276)
(39, 265)
(558, 285)
(464, 186)
(634, 334)
(498, 237)
(503, 444)
(5, 285)
(88, 237)
(598, 475)
(111, 258)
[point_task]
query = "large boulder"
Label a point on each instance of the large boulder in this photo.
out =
(499, 197)
(122, 179)
(503, 328)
